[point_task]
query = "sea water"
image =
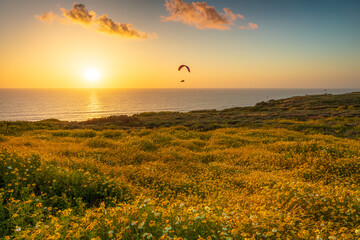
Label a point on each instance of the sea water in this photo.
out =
(83, 104)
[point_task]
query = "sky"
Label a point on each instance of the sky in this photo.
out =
(141, 43)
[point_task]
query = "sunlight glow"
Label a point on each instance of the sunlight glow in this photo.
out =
(92, 74)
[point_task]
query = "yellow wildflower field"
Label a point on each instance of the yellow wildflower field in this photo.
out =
(176, 183)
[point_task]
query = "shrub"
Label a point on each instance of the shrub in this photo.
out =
(100, 143)
(84, 134)
(113, 134)
(3, 138)
(61, 133)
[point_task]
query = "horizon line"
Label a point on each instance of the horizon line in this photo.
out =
(64, 88)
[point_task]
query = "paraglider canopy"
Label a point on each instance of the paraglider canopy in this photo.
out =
(184, 66)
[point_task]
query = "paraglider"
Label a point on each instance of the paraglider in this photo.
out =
(184, 66)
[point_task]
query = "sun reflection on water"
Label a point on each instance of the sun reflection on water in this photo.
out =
(94, 106)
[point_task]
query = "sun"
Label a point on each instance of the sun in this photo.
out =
(92, 74)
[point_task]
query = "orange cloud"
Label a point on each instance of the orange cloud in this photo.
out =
(250, 26)
(49, 17)
(200, 15)
(79, 14)
(105, 24)
(232, 15)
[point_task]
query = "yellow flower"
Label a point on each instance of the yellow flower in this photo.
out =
(57, 235)
(152, 223)
(234, 232)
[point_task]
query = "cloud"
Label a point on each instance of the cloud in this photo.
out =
(232, 15)
(80, 15)
(200, 15)
(48, 17)
(250, 26)
(105, 24)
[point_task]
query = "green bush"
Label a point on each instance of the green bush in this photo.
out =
(113, 134)
(61, 133)
(84, 134)
(3, 138)
(100, 143)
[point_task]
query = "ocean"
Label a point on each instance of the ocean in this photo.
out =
(83, 104)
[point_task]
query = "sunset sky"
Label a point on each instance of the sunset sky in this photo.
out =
(141, 43)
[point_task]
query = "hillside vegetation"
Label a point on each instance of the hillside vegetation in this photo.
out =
(162, 176)
(337, 115)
